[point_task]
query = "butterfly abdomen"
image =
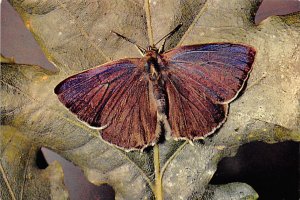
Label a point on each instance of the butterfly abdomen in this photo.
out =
(160, 97)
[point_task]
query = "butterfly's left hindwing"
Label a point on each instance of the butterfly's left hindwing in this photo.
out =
(115, 95)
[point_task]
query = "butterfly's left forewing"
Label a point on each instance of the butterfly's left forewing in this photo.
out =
(200, 82)
(114, 96)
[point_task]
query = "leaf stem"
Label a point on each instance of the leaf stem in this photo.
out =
(158, 179)
(173, 156)
(149, 22)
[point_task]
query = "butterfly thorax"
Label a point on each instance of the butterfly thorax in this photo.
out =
(153, 67)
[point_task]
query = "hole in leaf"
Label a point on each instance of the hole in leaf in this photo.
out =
(40, 161)
(275, 7)
(271, 169)
(78, 186)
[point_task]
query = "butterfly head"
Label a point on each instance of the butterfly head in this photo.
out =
(151, 53)
(152, 48)
(151, 63)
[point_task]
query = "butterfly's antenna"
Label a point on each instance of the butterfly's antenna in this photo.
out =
(167, 36)
(141, 49)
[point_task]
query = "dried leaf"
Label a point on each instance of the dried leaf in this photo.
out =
(20, 178)
(76, 36)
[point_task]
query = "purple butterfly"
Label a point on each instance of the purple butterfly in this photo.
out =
(185, 91)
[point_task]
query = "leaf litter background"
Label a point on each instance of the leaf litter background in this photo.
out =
(76, 36)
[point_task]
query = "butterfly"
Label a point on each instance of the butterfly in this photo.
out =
(184, 91)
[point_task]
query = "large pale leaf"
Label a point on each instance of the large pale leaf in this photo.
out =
(75, 35)
(20, 178)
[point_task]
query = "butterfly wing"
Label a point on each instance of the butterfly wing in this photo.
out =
(114, 96)
(200, 82)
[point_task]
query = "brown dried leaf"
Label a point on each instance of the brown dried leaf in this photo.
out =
(76, 36)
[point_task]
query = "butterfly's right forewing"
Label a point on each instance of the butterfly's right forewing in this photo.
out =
(114, 95)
